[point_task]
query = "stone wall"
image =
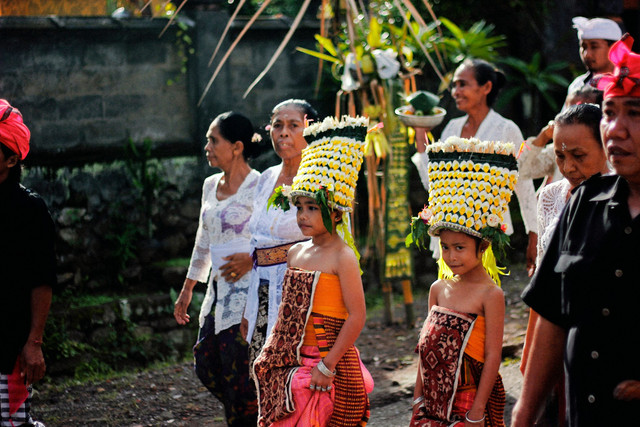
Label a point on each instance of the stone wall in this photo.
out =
(123, 333)
(86, 85)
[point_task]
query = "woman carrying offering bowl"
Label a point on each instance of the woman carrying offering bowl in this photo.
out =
(476, 84)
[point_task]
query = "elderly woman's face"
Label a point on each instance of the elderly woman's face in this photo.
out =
(579, 154)
(220, 151)
(467, 93)
(287, 126)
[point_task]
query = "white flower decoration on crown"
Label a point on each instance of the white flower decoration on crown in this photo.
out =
(493, 220)
(426, 214)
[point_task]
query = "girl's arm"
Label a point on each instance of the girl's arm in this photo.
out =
(417, 391)
(353, 295)
(494, 328)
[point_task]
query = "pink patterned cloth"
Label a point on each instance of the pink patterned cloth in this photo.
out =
(450, 373)
(313, 408)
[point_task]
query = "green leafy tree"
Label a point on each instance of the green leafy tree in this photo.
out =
(535, 84)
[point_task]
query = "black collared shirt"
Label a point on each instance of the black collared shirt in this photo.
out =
(589, 283)
(27, 260)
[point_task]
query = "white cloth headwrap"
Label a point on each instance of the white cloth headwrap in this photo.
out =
(596, 28)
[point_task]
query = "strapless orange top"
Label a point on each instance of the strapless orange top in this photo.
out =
(327, 300)
(475, 345)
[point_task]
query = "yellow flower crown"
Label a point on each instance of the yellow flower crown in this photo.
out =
(332, 161)
(470, 186)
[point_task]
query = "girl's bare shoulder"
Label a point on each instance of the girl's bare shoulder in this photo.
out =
(438, 285)
(297, 249)
(493, 292)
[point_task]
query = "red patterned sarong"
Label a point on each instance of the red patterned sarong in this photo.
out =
(449, 376)
(281, 368)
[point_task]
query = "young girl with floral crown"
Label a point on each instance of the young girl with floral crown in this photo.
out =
(460, 345)
(309, 373)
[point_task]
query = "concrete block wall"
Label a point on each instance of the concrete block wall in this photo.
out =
(87, 85)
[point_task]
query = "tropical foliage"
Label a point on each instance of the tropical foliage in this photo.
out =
(535, 83)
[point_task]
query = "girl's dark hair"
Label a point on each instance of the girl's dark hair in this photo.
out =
(237, 127)
(588, 115)
(15, 173)
(301, 105)
(485, 72)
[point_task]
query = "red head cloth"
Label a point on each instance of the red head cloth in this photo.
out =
(625, 79)
(13, 132)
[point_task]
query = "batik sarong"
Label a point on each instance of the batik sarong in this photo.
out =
(449, 376)
(222, 364)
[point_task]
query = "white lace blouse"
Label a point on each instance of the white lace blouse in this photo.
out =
(269, 228)
(496, 128)
(551, 202)
(223, 229)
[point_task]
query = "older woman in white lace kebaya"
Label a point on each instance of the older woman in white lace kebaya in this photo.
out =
(274, 231)
(222, 253)
(579, 155)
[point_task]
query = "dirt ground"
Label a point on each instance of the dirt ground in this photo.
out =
(174, 396)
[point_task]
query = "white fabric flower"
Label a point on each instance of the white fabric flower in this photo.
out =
(493, 220)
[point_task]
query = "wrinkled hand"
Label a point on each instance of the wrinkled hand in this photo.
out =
(237, 266)
(532, 252)
(181, 306)
(32, 366)
(627, 390)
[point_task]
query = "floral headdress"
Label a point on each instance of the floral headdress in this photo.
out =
(470, 186)
(329, 167)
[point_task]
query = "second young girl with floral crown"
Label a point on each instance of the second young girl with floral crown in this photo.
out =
(460, 345)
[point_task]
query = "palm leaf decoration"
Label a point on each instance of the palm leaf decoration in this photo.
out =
(278, 51)
(232, 47)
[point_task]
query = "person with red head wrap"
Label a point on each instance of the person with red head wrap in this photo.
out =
(586, 289)
(13, 132)
(27, 274)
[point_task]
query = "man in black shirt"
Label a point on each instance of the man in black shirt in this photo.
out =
(587, 288)
(27, 274)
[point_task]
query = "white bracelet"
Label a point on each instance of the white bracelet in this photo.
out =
(469, 420)
(324, 370)
(417, 400)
